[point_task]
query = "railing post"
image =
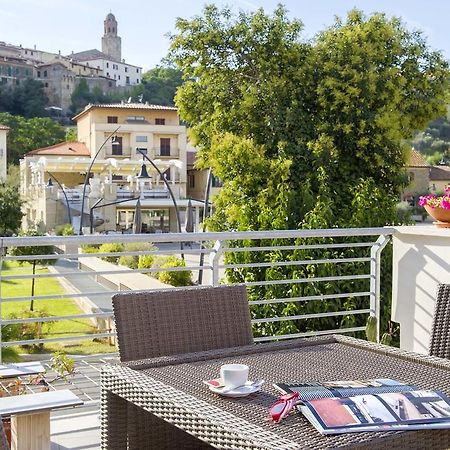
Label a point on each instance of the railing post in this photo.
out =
(375, 269)
(1, 298)
(214, 258)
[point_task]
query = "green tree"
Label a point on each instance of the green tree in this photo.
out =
(304, 134)
(159, 86)
(81, 96)
(30, 134)
(26, 99)
(34, 255)
(10, 210)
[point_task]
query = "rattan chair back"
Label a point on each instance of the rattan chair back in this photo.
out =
(440, 332)
(168, 322)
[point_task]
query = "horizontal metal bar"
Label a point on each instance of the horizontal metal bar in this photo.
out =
(210, 236)
(307, 299)
(54, 318)
(309, 334)
(312, 316)
(79, 295)
(293, 263)
(297, 247)
(57, 339)
(90, 255)
(90, 273)
(307, 280)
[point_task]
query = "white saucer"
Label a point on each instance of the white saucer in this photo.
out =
(241, 391)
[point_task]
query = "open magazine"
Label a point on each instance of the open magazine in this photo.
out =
(369, 405)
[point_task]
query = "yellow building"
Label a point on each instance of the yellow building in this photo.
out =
(439, 178)
(111, 140)
(418, 171)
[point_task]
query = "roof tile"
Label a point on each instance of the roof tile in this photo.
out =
(63, 149)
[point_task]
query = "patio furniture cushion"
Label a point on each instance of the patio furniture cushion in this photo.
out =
(440, 332)
(168, 322)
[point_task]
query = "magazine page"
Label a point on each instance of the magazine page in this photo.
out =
(380, 412)
(327, 389)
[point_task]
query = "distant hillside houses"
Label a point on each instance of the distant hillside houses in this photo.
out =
(424, 178)
(61, 74)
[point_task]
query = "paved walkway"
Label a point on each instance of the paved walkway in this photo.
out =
(83, 284)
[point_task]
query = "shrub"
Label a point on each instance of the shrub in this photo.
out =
(129, 261)
(145, 261)
(90, 248)
(182, 278)
(65, 230)
(111, 248)
(132, 261)
(28, 331)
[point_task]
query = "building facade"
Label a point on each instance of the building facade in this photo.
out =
(111, 141)
(60, 74)
(109, 60)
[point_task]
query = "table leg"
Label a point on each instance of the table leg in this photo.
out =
(30, 431)
(113, 423)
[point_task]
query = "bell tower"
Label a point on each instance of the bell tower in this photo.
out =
(111, 43)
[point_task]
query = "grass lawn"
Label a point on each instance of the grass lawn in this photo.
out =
(57, 307)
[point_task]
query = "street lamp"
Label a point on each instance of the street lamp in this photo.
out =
(88, 173)
(50, 184)
(143, 171)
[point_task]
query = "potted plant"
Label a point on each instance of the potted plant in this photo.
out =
(438, 207)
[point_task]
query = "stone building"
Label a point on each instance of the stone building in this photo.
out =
(439, 178)
(418, 171)
(109, 60)
(111, 42)
(60, 77)
(61, 74)
(13, 70)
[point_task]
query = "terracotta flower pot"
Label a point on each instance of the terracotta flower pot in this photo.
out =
(441, 215)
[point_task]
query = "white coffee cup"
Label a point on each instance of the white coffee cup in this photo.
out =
(234, 375)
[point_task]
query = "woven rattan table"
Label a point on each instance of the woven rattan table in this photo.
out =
(171, 388)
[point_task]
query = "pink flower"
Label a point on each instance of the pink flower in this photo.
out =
(445, 203)
(422, 201)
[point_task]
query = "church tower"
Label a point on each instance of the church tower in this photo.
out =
(111, 43)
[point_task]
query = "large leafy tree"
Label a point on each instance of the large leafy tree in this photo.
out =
(333, 112)
(10, 210)
(304, 134)
(29, 134)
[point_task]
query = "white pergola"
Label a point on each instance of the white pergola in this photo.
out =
(110, 166)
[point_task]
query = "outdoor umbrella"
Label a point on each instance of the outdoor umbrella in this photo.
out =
(137, 222)
(189, 225)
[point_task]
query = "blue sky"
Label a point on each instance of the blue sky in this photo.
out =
(76, 25)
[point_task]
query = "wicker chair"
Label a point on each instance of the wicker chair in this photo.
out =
(440, 333)
(168, 322)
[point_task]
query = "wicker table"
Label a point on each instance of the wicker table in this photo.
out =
(171, 388)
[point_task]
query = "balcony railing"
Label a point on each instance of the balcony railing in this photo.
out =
(83, 278)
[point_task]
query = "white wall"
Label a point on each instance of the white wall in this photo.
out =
(421, 261)
(118, 71)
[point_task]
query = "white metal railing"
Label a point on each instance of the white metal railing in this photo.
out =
(366, 243)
